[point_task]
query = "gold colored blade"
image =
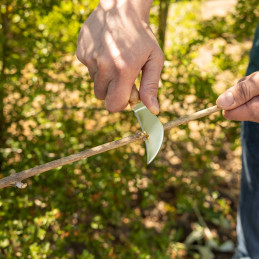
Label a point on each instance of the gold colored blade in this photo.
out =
(153, 127)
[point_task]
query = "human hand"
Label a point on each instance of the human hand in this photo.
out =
(241, 102)
(116, 43)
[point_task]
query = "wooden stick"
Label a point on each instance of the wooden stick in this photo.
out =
(194, 116)
(16, 178)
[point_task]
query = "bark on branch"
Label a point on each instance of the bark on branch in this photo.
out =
(16, 178)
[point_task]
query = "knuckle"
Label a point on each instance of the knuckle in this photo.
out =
(79, 55)
(242, 79)
(122, 65)
(161, 58)
(83, 58)
(243, 91)
(150, 87)
(103, 64)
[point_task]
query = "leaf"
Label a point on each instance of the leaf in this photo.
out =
(41, 233)
(205, 252)
(227, 246)
(4, 243)
(195, 235)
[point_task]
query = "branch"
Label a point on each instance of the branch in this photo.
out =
(191, 117)
(13, 179)
(16, 178)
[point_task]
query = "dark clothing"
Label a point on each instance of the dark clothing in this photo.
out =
(254, 54)
(248, 221)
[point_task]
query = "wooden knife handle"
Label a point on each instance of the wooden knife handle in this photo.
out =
(134, 96)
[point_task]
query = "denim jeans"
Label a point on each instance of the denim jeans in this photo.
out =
(248, 214)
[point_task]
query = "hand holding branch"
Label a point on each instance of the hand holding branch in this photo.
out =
(241, 102)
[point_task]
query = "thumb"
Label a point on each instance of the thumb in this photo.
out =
(150, 80)
(246, 89)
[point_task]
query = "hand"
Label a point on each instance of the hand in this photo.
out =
(116, 43)
(241, 102)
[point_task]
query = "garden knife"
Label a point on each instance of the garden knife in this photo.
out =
(150, 124)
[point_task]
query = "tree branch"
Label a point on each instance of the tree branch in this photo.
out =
(4, 52)
(16, 178)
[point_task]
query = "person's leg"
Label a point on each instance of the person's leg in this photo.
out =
(241, 251)
(248, 215)
(248, 227)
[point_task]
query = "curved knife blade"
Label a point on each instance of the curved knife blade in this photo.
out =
(153, 127)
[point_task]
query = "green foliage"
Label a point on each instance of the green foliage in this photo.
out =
(113, 205)
(245, 11)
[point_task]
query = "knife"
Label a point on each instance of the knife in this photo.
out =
(150, 125)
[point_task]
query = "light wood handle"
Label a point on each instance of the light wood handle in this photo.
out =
(194, 116)
(134, 96)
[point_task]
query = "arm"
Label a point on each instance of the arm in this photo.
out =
(116, 44)
(241, 102)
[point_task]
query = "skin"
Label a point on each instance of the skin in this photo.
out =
(116, 44)
(241, 102)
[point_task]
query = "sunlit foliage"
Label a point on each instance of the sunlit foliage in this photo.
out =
(112, 205)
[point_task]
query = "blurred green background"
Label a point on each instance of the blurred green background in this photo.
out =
(112, 205)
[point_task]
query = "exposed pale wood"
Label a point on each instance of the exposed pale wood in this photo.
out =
(194, 116)
(15, 179)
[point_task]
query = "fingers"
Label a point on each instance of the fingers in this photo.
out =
(242, 79)
(246, 112)
(120, 86)
(101, 83)
(102, 79)
(90, 63)
(118, 93)
(99, 71)
(246, 89)
(150, 80)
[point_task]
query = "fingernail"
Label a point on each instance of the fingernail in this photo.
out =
(225, 100)
(155, 106)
